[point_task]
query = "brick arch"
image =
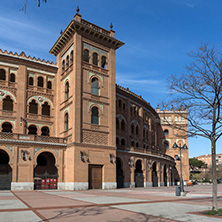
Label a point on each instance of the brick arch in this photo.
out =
(46, 150)
(98, 106)
(9, 154)
(7, 93)
(44, 99)
(7, 121)
(142, 163)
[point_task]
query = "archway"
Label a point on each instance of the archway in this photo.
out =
(45, 173)
(32, 130)
(154, 175)
(7, 127)
(138, 174)
(165, 176)
(119, 173)
(5, 171)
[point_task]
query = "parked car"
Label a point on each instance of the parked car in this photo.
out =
(219, 180)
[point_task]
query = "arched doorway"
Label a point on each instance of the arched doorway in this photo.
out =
(45, 172)
(165, 176)
(5, 171)
(138, 174)
(154, 175)
(119, 173)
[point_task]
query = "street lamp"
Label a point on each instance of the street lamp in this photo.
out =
(180, 158)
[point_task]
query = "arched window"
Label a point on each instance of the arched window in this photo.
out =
(95, 59)
(166, 132)
(33, 107)
(120, 103)
(132, 143)
(71, 57)
(63, 65)
(86, 55)
(12, 77)
(166, 144)
(67, 90)
(117, 141)
(123, 125)
(40, 81)
(7, 127)
(95, 115)
(30, 81)
(137, 144)
(66, 121)
(137, 130)
(117, 123)
(2, 74)
(45, 131)
(46, 109)
(132, 128)
(49, 85)
(7, 103)
(67, 62)
(95, 86)
(32, 130)
(103, 62)
(123, 142)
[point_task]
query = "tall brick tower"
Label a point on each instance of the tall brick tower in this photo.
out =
(85, 106)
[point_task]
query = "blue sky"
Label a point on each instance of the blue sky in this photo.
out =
(158, 34)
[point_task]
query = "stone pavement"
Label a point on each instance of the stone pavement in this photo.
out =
(122, 205)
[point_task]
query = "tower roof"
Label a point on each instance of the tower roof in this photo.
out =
(80, 25)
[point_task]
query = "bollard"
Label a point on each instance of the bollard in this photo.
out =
(177, 190)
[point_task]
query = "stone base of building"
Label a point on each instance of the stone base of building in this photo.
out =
(148, 184)
(109, 185)
(83, 185)
(73, 186)
(160, 184)
(22, 186)
(128, 184)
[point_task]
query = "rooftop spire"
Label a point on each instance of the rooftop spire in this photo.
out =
(77, 10)
(111, 26)
(77, 15)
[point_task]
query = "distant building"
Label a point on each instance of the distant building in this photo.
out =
(207, 158)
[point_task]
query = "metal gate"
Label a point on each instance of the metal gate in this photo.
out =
(155, 181)
(5, 181)
(139, 180)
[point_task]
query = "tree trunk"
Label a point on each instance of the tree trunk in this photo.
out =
(214, 191)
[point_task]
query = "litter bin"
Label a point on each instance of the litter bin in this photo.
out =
(177, 190)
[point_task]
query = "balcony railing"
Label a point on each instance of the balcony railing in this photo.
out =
(31, 138)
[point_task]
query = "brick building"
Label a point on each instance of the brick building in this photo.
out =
(70, 121)
(207, 158)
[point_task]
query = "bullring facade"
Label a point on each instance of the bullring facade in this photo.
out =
(70, 121)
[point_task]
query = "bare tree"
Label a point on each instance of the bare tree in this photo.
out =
(24, 7)
(200, 92)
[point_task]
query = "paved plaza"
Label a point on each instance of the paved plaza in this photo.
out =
(122, 205)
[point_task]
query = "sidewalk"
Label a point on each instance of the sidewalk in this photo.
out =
(122, 205)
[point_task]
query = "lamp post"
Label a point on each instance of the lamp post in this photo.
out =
(180, 158)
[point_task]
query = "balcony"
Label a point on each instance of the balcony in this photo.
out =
(8, 86)
(25, 138)
(8, 113)
(40, 91)
(39, 117)
(95, 68)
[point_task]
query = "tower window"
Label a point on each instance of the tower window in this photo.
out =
(95, 59)
(95, 86)
(95, 115)
(86, 55)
